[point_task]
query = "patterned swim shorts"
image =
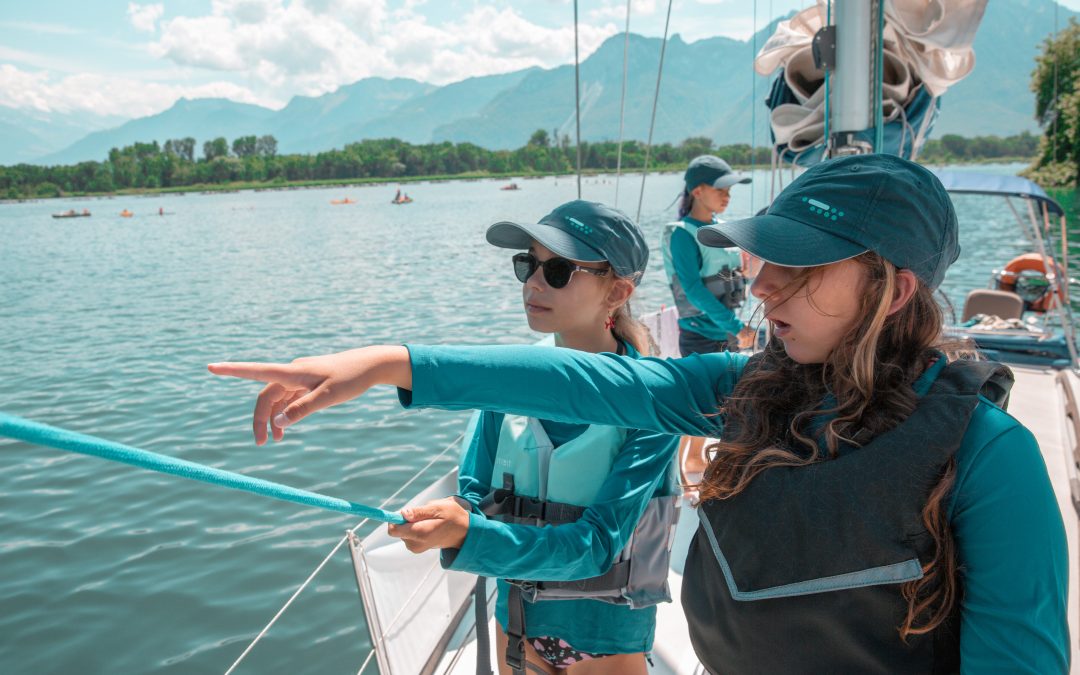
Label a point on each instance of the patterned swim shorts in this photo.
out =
(558, 653)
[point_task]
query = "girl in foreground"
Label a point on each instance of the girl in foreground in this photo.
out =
(869, 506)
(577, 284)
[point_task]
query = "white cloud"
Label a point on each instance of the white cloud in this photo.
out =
(145, 17)
(107, 95)
(314, 46)
(616, 10)
(266, 51)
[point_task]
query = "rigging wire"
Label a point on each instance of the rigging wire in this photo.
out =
(827, 153)
(622, 101)
(753, 102)
(652, 121)
(577, 98)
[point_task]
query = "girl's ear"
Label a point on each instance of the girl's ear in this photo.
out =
(696, 192)
(906, 285)
(619, 293)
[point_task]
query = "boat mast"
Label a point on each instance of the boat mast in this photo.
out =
(851, 104)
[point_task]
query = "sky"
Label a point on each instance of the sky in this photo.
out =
(133, 59)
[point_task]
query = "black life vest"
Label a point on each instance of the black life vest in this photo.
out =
(801, 572)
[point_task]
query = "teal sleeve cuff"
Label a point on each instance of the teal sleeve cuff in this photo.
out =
(469, 558)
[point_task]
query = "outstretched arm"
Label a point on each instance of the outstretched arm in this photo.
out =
(678, 396)
(672, 396)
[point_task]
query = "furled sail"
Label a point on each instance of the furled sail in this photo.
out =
(927, 47)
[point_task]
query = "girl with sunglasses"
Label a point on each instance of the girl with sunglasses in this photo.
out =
(707, 283)
(869, 506)
(605, 493)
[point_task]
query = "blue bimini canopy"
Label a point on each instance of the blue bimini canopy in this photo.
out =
(964, 182)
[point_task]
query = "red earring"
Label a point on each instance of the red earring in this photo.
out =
(610, 323)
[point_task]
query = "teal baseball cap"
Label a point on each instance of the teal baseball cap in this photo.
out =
(712, 170)
(582, 231)
(843, 207)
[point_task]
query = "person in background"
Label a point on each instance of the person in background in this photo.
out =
(708, 284)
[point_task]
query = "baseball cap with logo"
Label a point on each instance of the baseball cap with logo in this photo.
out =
(582, 231)
(843, 207)
(712, 170)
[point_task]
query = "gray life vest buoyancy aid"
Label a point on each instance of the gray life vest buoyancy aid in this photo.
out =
(720, 271)
(546, 486)
(801, 571)
(543, 485)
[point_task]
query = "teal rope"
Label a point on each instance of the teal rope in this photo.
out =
(62, 439)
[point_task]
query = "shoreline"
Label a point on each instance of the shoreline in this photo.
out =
(278, 186)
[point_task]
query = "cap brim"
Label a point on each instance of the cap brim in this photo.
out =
(781, 241)
(506, 234)
(727, 180)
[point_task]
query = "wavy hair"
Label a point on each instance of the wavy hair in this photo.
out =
(771, 412)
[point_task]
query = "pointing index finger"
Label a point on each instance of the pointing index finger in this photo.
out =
(281, 373)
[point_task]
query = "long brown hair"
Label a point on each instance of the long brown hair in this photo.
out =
(769, 416)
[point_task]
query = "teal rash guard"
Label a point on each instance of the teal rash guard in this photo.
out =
(1007, 525)
(717, 321)
(642, 468)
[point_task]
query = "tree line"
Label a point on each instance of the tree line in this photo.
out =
(254, 160)
(1057, 107)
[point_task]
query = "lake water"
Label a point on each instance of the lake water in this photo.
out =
(106, 326)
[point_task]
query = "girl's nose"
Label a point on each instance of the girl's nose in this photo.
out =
(537, 280)
(765, 283)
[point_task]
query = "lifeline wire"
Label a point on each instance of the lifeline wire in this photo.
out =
(62, 439)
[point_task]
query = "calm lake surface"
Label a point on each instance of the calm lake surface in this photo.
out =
(106, 327)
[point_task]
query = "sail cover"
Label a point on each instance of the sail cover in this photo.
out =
(927, 49)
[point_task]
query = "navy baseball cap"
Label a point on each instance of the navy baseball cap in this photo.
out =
(843, 207)
(712, 170)
(582, 231)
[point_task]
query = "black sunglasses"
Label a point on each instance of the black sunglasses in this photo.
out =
(557, 271)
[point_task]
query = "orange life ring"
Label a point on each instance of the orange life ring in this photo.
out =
(1031, 261)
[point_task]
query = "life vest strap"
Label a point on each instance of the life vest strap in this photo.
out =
(618, 576)
(506, 504)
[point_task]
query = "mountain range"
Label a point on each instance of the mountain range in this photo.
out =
(708, 89)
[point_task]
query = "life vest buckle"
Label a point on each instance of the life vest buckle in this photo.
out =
(527, 507)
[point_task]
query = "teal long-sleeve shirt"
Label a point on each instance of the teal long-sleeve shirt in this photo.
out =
(717, 321)
(1005, 518)
(579, 550)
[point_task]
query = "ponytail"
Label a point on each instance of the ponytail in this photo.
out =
(628, 329)
(686, 203)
